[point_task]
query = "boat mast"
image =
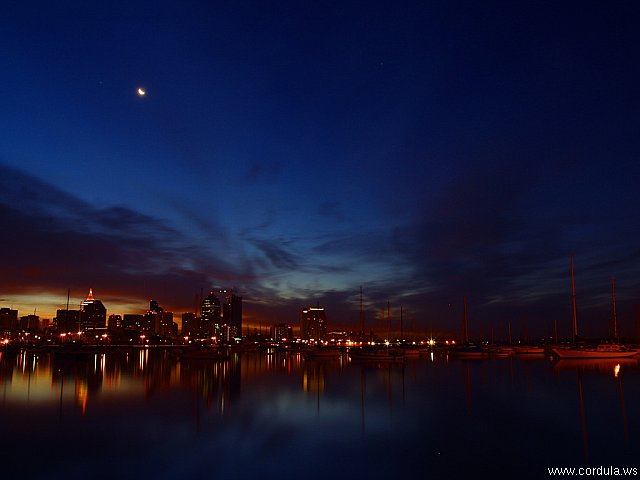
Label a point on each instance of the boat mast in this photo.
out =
(388, 322)
(574, 328)
(66, 317)
(361, 316)
(465, 325)
(615, 319)
(401, 331)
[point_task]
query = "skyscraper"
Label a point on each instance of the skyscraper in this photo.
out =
(211, 315)
(313, 323)
(190, 324)
(93, 313)
(231, 315)
(157, 321)
(222, 318)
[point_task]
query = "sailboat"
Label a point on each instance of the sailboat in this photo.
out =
(376, 355)
(373, 354)
(468, 350)
(611, 349)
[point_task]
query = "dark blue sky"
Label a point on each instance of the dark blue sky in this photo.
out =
(298, 150)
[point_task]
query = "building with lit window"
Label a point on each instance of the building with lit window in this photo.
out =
(115, 322)
(313, 323)
(132, 321)
(93, 313)
(281, 332)
(8, 321)
(231, 322)
(211, 314)
(157, 321)
(221, 317)
(190, 325)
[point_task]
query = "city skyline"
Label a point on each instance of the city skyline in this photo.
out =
(425, 152)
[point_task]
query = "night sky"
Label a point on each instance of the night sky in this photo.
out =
(298, 150)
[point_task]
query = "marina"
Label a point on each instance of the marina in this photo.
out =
(373, 418)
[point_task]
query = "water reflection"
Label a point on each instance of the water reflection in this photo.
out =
(599, 379)
(451, 417)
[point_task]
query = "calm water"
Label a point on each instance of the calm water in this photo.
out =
(146, 414)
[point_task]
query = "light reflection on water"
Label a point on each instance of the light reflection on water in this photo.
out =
(123, 414)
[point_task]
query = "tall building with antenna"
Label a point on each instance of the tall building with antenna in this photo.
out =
(93, 313)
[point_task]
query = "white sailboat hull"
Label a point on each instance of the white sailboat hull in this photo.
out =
(592, 353)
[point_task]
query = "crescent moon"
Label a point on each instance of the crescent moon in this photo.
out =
(141, 92)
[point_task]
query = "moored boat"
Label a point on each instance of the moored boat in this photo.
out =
(601, 350)
(410, 351)
(528, 350)
(469, 351)
(605, 365)
(500, 351)
(376, 355)
(611, 349)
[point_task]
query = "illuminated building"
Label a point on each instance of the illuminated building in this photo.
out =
(313, 323)
(338, 336)
(222, 319)
(115, 322)
(157, 321)
(282, 331)
(164, 325)
(8, 321)
(132, 321)
(190, 325)
(211, 315)
(231, 322)
(93, 314)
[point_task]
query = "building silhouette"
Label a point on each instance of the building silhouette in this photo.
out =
(190, 324)
(133, 321)
(281, 332)
(211, 314)
(115, 322)
(68, 321)
(231, 322)
(313, 323)
(93, 313)
(8, 321)
(30, 323)
(221, 317)
(157, 321)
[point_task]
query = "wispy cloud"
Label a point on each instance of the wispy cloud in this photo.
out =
(56, 239)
